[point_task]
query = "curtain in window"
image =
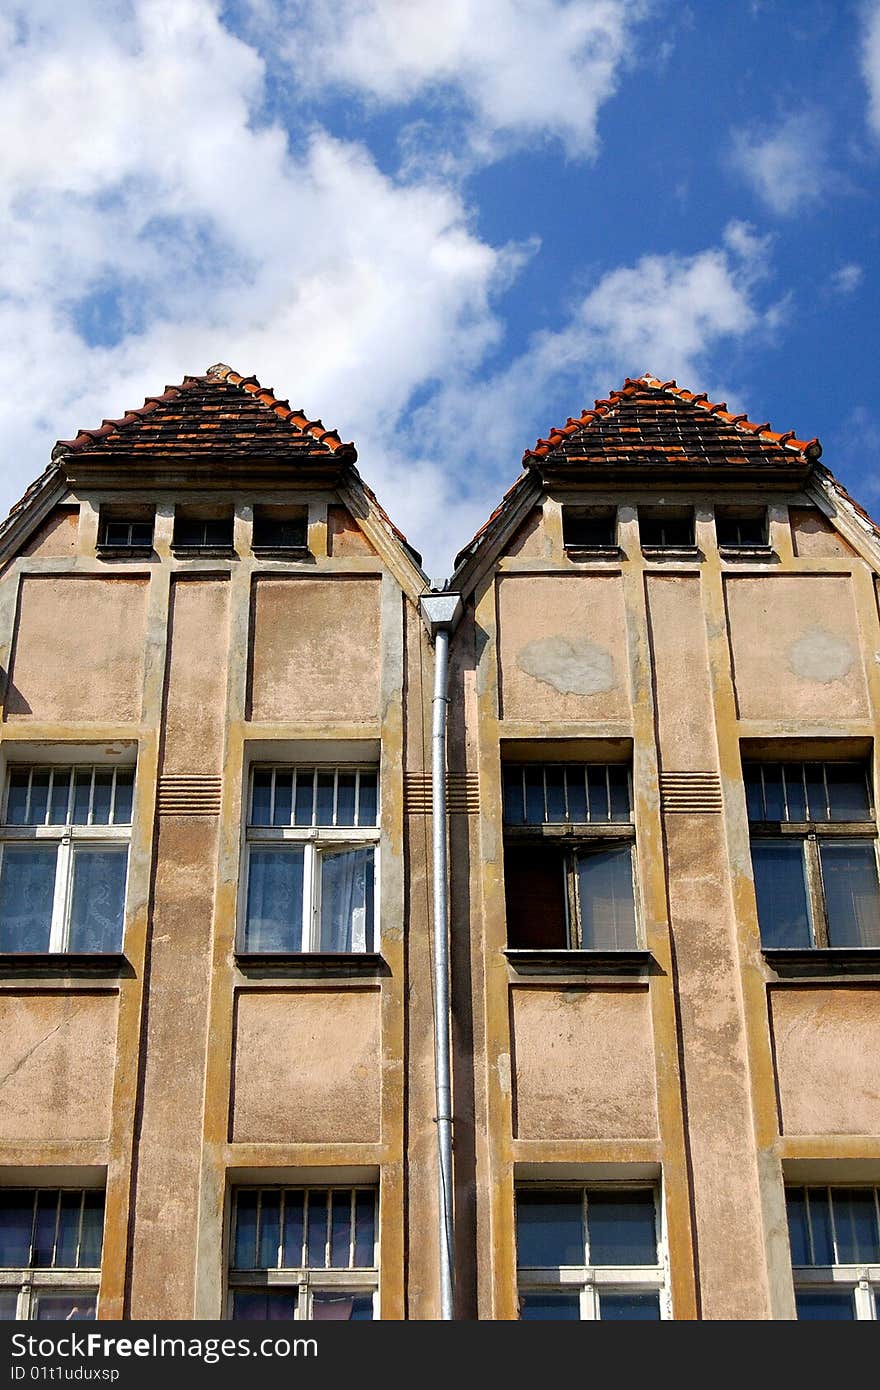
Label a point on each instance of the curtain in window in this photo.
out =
(346, 900)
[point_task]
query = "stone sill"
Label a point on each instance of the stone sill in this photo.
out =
(124, 552)
(672, 552)
(329, 964)
(526, 961)
(207, 552)
(747, 552)
(55, 964)
(282, 552)
(823, 961)
(594, 552)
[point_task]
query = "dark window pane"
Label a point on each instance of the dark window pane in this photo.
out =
(849, 877)
(263, 1305)
(754, 791)
(618, 779)
(27, 887)
(364, 1230)
(76, 1306)
(82, 795)
(605, 900)
(8, 1305)
(16, 1224)
(824, 1305)
(68, 1230)
(283, 814)
(317, 1235)
(16, 803)
(781, 892)
(588, 529)
(274, 900)
(44, 1228)
(598, 785)
(270, 1229)
(340, 1230)
(103, 796)
(534, 886)
(555, 794)
(305, 796)
(345, 798)
(577, 795)
(820, 1225)
(92, 1234)
(346, 900)
(855, 1222)
(97, 913)
(279, 532)
(629, 1307)
(774, 801)
(621, 1228)
(734, 529)
(142, 533)
(324, 814)
(124, 793)
(798, 1231)
(661, 530)
(549, 1229)
(341, 1307)
(795, 796)
(847, 791)
(368, 804)
(39, 796)
(534, 780)
(244, 1245)
(294, 1224)
(816, 793)
(513, 795)
(219, 532)
(261, 797)
(549, 1307)
(116, 533)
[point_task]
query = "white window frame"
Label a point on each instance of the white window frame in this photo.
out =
(315, 840)
(68, 839)
(589, 1280)
(29, 1281)
(862, 1279)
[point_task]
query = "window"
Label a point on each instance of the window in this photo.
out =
(589, 1252)
(64, 858)
(125, 533)
(741, 529)
(279, 528)
(312, 839)
(568, 857)
(50, 1253)
(304, 1252)
(589, 528)
(834, 1234)
(666, 528)
(202, 533)
(814, 854)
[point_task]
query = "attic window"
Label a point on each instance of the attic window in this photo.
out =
(126, 531)
(741, 528)
(666, 528)
(280, 528)
(589, 528)
(196, 532)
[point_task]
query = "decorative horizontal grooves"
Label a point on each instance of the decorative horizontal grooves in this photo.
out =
(189, 796)
(690, 793)
(462, 793)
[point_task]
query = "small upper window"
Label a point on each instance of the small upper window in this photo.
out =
(589, 528)
(203, 533)
(666, 528)
(737, 530)
(126, 533)
(280, 528)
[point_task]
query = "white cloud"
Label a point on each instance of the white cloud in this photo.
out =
(521, 69)
(847, 278)
(871, 62)
(786, 165)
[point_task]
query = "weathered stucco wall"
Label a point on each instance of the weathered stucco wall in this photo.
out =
(826, 1043)
(344, 536)
(813, 534)
(584, 1064)
(307, 1066)
(685, 716)
(562, 647)
(95, 630)
(315, 650)
(796, 647)
(57, 1055)
(56, 536)
(195, 703)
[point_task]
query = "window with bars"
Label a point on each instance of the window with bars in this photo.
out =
(305, 1253)
(312, 850)
(666, 528)
(741, 528)
(569, 857)
(814, 854)
(64, 858)
(587, 1253)
(50, 1253)
(194, 533)
(834, 1234)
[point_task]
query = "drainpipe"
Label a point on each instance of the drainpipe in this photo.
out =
(441, 612)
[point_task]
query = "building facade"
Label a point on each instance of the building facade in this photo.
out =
(217, 1006)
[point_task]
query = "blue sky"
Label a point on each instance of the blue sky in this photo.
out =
(444, 228)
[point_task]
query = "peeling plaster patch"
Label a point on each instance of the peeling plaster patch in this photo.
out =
(820, 656)
(573, 667)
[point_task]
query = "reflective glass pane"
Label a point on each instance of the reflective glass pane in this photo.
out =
(16, 801)
(817, 797)
(341, 1307)
(324, 813)
(261, 797)
(513, 796)
(824, 1305)
(263, 1305)
(549, 1307)
(774, 802)
(852, 901)
(549, 1229)
(45, 1225)
(368, 805)
(61, 796)
(534, 787)
(305, 796)
(605, 900)
(27, 887)
(270, 1229)
(345, 798)
(621, 1228)
(141, 533)
(340, 1230)
(16, 1224)
(103, 796)
(39, 796)
(618, 780)
(364, 1229)
(781, 892)
(598, 793)
(68, 1230)
(820, 1226)
(124, 792)
(82, 795)
(754, 791)
(283, 814)
(795, 795)
(97, 913)
(629, 1307)
(577, 795)
(317, 1233)
(798, 1231)
(75, 1306)
(244, 1245)
(855, 1224)
(555, 794)
(847, 791)
(346, 900)
(294, 1223)
(274, 900)
(8, 1305)
(92, 1234)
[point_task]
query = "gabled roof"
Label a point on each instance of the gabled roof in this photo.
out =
(650, 422)
(221, 411)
